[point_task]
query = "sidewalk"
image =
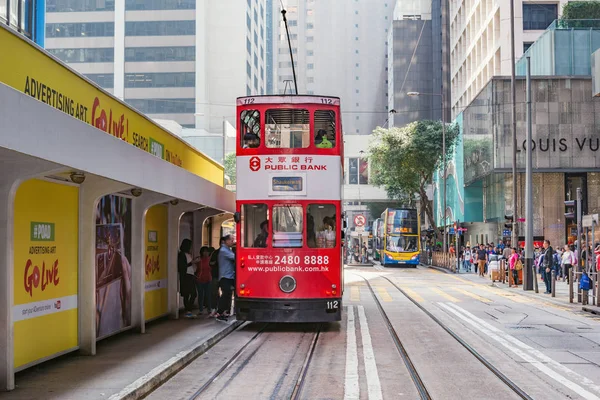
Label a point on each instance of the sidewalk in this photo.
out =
(562, 289)
(126, 366)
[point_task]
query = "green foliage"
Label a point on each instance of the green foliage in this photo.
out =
(403, 160)
(581, 10)
(230, 166)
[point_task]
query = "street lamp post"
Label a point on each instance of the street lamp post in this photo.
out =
(445, 234)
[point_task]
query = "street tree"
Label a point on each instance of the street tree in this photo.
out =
(404, 160)
(229, 166)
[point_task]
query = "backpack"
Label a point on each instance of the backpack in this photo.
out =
(584, 283)
(556, 259)
(519, 264)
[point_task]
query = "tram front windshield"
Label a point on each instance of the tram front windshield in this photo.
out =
(401, 244)
(402, 231)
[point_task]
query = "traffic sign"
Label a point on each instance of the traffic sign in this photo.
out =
(360, 220)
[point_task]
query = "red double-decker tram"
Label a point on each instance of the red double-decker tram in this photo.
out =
(289, 187)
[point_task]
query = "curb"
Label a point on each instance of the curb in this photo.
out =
(159, 375)
(444, 270)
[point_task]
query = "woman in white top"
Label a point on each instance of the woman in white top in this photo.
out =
(567, 261)
(467, 259)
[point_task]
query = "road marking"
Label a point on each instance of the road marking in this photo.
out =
(446, 295)
(416, 296)
(473, 295)
(354, 293)
(373, 383)
(383, 293)
(527, 353)
(351, 388)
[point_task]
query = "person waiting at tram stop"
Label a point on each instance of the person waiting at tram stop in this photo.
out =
(261, 239)
(187, 279)
(321, 140)
(226, 277)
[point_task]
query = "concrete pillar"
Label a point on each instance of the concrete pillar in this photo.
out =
(13, 173)
(90, 192)
(138, 236)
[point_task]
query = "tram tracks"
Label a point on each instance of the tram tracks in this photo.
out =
(242, 358)
(412, 369)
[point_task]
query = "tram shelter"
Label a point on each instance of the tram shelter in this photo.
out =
(95, 199)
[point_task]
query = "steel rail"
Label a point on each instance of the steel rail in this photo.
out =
(513, 386)
(412, 370)
(301, 377)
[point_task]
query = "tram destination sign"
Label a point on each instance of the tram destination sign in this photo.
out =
(287, 183)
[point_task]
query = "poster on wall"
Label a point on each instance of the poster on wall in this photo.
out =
(155, 263)
(113, 265)
(45, 271)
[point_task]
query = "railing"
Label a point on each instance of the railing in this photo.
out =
(442, 260)
(585, 297)
(574, 24)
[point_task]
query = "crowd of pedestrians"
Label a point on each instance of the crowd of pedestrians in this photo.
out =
(482, 257)
(209, 278)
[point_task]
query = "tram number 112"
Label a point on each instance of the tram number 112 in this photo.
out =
(333, 305)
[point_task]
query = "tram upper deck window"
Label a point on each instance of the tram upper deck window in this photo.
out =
(325, 129)
(287, 128)
(320, 226)
(287, 225)
(255, 225)
(250, 129)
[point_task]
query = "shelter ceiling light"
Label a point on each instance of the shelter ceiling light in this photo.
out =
(136, 192)
(77, 177)
(174, 202)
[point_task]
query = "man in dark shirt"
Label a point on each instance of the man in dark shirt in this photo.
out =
(482, 257)
(548, 265)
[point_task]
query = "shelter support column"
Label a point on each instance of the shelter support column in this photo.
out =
(90, 192)
(138, 236)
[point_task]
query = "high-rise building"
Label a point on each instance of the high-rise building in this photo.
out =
(180, 60)
(25, 17)
(338, 51)
(480, 41)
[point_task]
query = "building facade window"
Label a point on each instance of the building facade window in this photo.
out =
(163, 106)
(526, 46)
(78, 5)
(538, 16)
(84, 55)
(160, 28)
(160, 79)
(141, 54)
(248, 46)
(310, 25)
(160, 4)
(248, 69)
(106, 81)
(248, 21)
(310, 66)
(91, 29)
(358, 171)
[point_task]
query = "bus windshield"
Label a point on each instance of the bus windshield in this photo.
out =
(402, 222)
(402, 244)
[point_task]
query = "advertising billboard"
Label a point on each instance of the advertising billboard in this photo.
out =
(34, 72)
(45, 271)
(113, 265)
(155, 263)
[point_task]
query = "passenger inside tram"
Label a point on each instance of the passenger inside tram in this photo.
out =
(261, 239)
(323, 236)
(321, 140)
(251, 141)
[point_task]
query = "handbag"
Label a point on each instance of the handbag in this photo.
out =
(519, 265)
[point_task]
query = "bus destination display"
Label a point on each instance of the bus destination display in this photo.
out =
(287, 183)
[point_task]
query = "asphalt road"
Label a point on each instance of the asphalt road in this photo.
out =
(407, 333)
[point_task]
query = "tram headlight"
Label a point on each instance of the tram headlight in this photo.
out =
(287, 284)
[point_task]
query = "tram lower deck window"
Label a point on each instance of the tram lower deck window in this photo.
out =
(255, 225)
(320, 226)
(287, 225)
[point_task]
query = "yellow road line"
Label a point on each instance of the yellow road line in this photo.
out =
(354, 293)
(383, 293)
(473, 295)
(416, 297)
(446, 295)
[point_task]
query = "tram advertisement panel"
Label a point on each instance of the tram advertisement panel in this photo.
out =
(45, 271)
(113, 268)
(155, 263)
